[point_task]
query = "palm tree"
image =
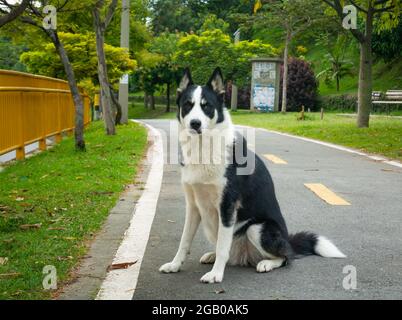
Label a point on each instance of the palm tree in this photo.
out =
(338, 66)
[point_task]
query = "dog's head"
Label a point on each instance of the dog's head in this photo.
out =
(201, 108)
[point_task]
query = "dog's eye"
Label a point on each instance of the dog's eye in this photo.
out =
(204, 105)
(188, 105)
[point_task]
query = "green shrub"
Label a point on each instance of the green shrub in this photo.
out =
(344, 102)
(302, 86)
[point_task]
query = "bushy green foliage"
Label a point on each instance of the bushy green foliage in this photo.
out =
(9, 55)
(81, 50)
(212, 48)
(387, 45)
(343, 102)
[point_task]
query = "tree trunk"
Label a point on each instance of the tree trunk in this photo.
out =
(337, 84)
(168, 98)
(152, 102)
(108, 114)
(285, 71)
(365, 76)
(117, 105)
(146, 100)
(75, 92)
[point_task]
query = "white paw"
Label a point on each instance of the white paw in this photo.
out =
(170, 267)
(212, 277)
(265, 266)
(208, 258)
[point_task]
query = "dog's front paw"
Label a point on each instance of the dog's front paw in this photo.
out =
(212, 277)
(170, 267)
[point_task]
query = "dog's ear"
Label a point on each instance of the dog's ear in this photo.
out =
(216, 82)
(185, 82)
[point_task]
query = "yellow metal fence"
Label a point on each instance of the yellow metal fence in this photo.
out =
(33, 108)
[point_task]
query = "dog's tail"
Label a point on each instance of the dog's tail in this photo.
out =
(306, 243)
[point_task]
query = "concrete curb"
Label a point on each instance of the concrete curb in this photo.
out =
(120, 284)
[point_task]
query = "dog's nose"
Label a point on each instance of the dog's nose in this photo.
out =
(195, 124)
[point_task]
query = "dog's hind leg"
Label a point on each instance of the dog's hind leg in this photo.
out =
(191, 224)
(208, 258)
(273, 248)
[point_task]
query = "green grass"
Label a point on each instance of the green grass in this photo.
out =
(69, 194)
(138, 111)
(384, 136)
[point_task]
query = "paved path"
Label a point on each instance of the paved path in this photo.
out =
(369, 231)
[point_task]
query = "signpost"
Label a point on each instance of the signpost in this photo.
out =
(265, 84)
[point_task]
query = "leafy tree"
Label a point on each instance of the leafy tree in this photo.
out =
(214, 48)
(338, 66)
(30, 25)
(385, 13)
(212, 22)
(100, 25)
(81, 49)
(172, 15)
(387, 45)
(10, 54)
(166, 72)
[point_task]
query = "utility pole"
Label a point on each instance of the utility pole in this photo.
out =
(233, 104)
(124, 43)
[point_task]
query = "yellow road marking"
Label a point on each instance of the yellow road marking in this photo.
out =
(275, 159)
(327, 195)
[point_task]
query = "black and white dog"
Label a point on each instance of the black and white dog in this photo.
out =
(239, 213)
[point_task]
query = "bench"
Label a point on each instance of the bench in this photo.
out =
(390, 97)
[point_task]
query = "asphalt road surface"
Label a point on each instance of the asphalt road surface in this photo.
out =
(368, 231)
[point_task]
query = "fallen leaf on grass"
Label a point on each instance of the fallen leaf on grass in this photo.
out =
(220, 291)
(56, 229)
(3, 261)
(10, 275)
(69, 238)
(65, 258)
(119, 266)
(31, 226)
(19, 199)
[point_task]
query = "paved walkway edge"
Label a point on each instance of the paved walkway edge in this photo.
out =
(121, 284)
(378, 158)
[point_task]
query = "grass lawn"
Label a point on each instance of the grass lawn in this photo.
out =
(51, 205)
(138, 111)
(383, 137)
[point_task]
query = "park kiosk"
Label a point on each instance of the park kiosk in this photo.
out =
(265, 84)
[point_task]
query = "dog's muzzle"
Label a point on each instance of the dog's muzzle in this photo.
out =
(196, 126)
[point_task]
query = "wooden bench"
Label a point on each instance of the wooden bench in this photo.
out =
(389, 98)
